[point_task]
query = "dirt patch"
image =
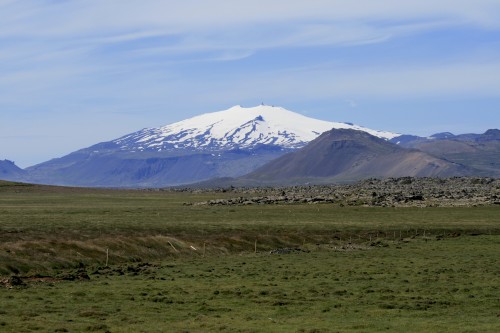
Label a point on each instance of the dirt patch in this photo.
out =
(13, 282)
(287, 250)
(16, 281)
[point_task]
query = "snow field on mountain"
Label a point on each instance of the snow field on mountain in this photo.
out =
(238, 127)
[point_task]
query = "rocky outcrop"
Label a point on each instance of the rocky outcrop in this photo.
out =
(391, 192)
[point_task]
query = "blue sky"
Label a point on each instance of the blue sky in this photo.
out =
(77, 72)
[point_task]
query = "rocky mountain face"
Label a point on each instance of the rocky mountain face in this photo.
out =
(347, 155)
(227, 143)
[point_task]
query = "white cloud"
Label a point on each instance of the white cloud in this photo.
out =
(457, 79)
(102, 59)
(33, 30)
(119, 18)
(237, 24)
(50, 47)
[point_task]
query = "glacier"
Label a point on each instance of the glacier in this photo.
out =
(237, 128)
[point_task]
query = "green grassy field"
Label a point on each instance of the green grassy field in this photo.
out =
(181, 268)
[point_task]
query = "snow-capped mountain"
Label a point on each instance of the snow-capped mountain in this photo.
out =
(237, 127)
(238, 141)
(227, 143)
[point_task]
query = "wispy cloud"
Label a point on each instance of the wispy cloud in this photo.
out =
(259, 22)
(170, 58)
(460, 80)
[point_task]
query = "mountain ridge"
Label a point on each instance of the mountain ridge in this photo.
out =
(235, 142)
(8, 169)
(345, 155)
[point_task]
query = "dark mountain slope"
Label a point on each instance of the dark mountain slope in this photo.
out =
(344, 155)
(84, 168)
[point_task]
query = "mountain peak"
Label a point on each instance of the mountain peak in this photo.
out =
(9, 170)
(236, 127)
(443, 135)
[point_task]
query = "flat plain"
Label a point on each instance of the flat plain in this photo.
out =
(145, 261)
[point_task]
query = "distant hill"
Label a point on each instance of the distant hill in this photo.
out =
(478, 151)
(10, 171)
(347, 155)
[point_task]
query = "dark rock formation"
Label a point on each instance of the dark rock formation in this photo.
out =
(391, 192)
